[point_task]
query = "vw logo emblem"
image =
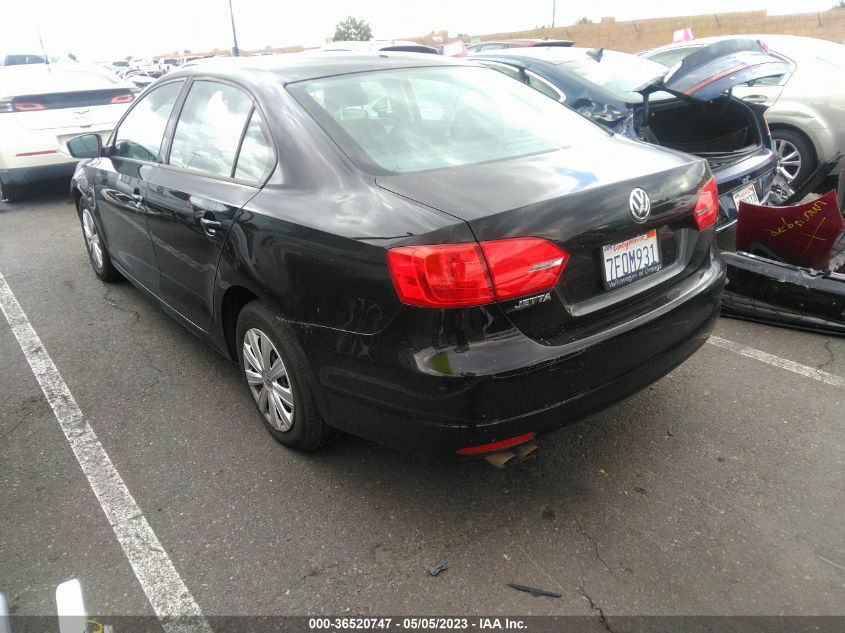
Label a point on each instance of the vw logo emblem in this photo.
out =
(640, 204)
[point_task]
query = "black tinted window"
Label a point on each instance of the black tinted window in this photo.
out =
(210, 128)
(256, 157)
(140, 135)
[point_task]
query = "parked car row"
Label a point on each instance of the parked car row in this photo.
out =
(689, 108)
(439, 254)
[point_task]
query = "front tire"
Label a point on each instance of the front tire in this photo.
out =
(275, 373)
(98, 254)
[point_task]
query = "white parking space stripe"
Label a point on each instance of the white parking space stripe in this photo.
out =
(166, 591)
(777, 361)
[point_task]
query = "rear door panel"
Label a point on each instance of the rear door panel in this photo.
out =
(189, 218)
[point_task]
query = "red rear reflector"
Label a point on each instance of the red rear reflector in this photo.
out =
(442, 276)
(495, 446)
(41, 153)
(707, 207)
(523, 265)
(28, 106)
(122, 98)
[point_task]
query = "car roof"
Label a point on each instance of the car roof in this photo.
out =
(293, 67)
(551, 54)
(527, 41)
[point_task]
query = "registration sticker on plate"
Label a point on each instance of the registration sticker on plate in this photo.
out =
(630, 260)
(747, 194)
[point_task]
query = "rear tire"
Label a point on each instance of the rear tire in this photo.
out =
(796, 158)
(98, 254)
(275, 373)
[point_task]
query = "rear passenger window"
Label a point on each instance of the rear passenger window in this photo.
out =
(256, 157)
(139, 136)
(210, 127)
(541, 85)
(510, 71)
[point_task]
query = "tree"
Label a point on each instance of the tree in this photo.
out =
(839, 5)
(352, 30)
(71, 56)
(187, 51)
(584, 21)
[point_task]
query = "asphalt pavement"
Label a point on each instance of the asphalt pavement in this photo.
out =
(718, 490)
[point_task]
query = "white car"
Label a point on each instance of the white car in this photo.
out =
(806, 108)
(42, 106)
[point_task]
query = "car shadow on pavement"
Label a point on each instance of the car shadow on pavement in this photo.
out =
(55, 190)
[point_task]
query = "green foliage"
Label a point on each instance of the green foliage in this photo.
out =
(584, 21)
(352, 30)
(839, 5)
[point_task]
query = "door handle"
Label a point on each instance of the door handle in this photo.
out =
(210, 226)
(756, 98)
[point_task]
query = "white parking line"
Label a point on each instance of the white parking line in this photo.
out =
(166, 591)
(777, 361)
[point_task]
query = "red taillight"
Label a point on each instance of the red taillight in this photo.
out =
(707, 208)
(447, 275)
(123, 98)
(458, 275)
(523, 265)
(28, 106)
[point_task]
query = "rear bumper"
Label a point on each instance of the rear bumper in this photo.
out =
(759, 169)
(764, 290)
(27, 175)
(474, 379)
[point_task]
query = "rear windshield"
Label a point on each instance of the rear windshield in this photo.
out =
(23, 59)
(618, 73)
(417, 119)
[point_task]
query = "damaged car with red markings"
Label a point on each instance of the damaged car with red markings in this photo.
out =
(408, 248)
(689, 107)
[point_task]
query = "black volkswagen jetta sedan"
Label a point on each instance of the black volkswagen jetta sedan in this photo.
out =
(412, 249)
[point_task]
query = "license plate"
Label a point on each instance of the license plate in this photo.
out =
(747, 194)
(630, 260)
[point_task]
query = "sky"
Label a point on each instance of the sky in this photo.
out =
(102, 30)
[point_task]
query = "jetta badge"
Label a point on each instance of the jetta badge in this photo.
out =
(640, 204)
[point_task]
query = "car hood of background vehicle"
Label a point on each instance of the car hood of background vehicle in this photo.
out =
(474, 191)
(714, 69)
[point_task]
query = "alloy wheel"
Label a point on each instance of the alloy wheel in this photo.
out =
(92, 238)
(789, 159)
(268, 379)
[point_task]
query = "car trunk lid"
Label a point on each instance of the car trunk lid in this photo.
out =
(581, 201)
(715, 69)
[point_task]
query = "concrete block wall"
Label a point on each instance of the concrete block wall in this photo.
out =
(636, 35)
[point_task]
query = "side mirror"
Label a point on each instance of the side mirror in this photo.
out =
(85, 146)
